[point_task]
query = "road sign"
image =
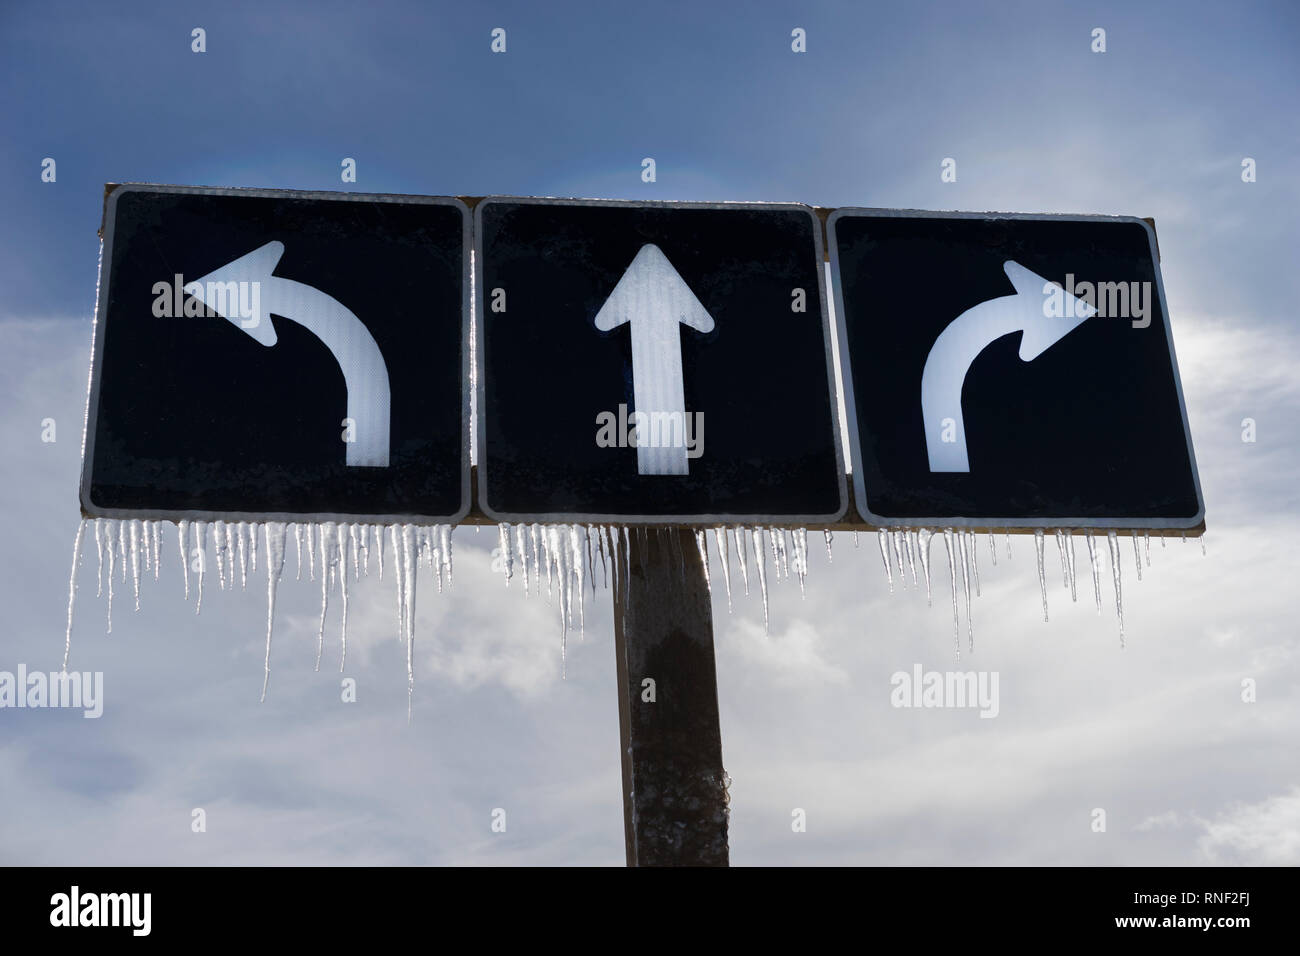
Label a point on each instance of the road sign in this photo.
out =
(654, 362)
(268, 354)
(1010, 371)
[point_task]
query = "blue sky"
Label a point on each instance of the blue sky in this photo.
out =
(1156, 126)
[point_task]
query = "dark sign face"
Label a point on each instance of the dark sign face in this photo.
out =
(263, 354)
(1010, 371)
(654, 362)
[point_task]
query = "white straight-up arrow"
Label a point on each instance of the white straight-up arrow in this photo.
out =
(364, 372)
(968, 335)
(655, 300)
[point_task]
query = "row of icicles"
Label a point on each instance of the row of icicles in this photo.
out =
(568, 553)
(914, 543)
(339, 549)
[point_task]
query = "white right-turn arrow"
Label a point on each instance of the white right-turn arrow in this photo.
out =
(967, 336)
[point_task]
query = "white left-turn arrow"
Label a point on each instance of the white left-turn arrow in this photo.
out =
(654, 300)
(365, 374)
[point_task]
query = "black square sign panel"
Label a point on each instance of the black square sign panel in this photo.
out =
(1010, 371)
(270, 354)
(654, 362)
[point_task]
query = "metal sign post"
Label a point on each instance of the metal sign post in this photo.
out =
(674, 785)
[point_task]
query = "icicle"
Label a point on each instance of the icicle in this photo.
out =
(1162, 540)
(556, 555)
(923, 545)
(343, 588)
(627, 565)
(400, 576)
(896, 541)
(311, 552)
(855, 540)
(561, 555)
(963, 537)
(409, 573)
(444, 544)
(720, 539)
(740, 557)
(974, 563)
(1146, 546)
(521, 545)
(99, 551)
(72, 592)
(605, 555)
(1096, 571)
(329, 574)
(786, 547)
(297, 548)
(241, 547)
(363, 534)
(112, 533)
(1008, 545)
(123, 536)
(1065, 570)
(760, 561)
(830, 558)
(1042, 572)
(575, 556)
(155, 533)
(551, 550)
(537, 561)
(775, 544)
(135, 560)
(145, 555)
(201, 543)
(325, 541)
(273, 537)
(507, 559)
(588, 532)
(1116, 574)
(219, 552)
(993, 550)
(908, 536)
(182, 534)
(801, 558)
(952, 576)
(1069, 558)
(355, 547)
(231, 551)
(1137, 557)
(884, 556)
(1202, 544)
(252, 545)
(379, 549)
(702, 545)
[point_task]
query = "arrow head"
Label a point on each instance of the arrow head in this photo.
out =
(1041, 329)
(652, 290)
(216, 292)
